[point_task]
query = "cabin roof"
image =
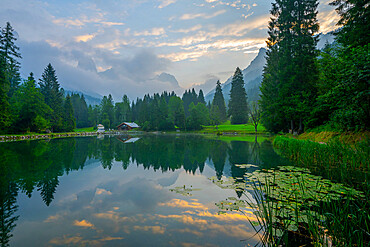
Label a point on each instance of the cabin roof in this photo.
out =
(131, 125)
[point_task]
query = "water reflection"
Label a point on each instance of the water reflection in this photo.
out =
(30, 166)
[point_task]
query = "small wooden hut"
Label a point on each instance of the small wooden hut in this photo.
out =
(127, 126)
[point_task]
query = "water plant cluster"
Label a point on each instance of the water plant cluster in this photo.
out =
(347, 220)
(294, 207)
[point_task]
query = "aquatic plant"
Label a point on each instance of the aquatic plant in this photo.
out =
(292, 207)
(182, 190)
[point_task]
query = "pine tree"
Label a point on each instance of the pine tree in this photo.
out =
(176, 112)
(201, 97)
(50, 88)
(69, 121)
(30, 108)
(290, 75)
(218, 108)
(9, 50)
(355, 22)
(238, 106)
(4, 103)
(107, 111)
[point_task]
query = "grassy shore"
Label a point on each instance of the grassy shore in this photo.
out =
(228, 128)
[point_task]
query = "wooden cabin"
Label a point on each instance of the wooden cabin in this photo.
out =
(127, 126)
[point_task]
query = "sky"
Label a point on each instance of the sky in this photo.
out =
(122, 46)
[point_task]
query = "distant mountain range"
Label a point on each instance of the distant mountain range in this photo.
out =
(253, 73)
(91, 99)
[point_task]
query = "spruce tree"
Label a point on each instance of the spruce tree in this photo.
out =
(201, 97)
(288, 85)
(4, 103)
(218, 107)
(69, 121)
(30, 108)
(50, 88)
(238, 106)
(354, 22)
(9, 51)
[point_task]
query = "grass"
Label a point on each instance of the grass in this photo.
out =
(227, 127)
(327, 136)
(246, 138)
(89, 129)
(349, 164)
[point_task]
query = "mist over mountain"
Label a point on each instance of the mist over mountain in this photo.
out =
(91, 99)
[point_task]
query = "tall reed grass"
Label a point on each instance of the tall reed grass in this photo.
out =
(348, 164)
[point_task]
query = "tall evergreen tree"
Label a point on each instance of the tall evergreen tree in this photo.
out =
(50, 88)
(290, 74)
(238, 106)
(30, 108)
(218, 108)
(201, 97)
(69, 121)
(107, 111)
(354, 22)
(9, 50)
(176, 112)
(4, 103)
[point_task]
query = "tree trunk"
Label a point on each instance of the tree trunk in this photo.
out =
(300, 126)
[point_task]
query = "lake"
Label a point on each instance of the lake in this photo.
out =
(150, 190)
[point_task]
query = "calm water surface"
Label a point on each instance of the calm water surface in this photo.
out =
(115, 191)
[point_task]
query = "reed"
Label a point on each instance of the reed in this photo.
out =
(348, 164)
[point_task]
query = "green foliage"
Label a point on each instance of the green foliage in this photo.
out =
(355, 22)
(69, 120)
(53, 95)
(9, 51)
(218, 108)
(176, 112)
(107, 112)
(199, 116)
(238, 107)
(30, 109)
(343, 100)
(80, 110)
(4, 103)
(290, 74)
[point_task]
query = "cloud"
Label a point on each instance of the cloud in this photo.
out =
(201, 15)
(83, 223)
(165, 3)
(84, 38)
(209, 84)
(153, 229)
(76, 69)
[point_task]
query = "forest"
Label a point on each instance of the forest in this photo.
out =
(302, 87)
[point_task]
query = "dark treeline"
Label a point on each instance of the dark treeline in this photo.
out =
(306, 88)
